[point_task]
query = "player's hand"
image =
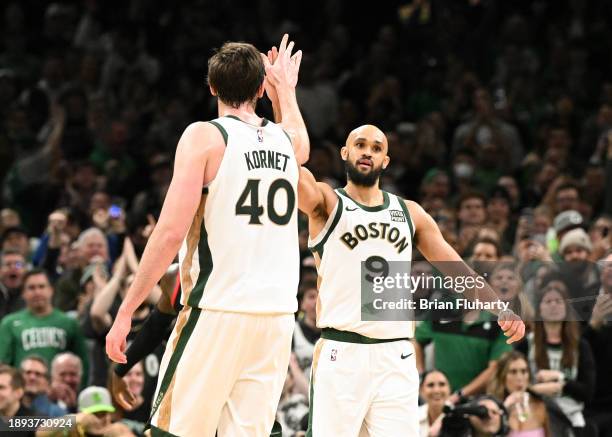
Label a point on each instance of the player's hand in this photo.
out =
(116, 338)
(282, 72)
(512, 325)
(271, 57)
(121, 393)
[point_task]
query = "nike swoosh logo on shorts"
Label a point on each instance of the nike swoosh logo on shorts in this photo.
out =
(348, 209)
(403, 357)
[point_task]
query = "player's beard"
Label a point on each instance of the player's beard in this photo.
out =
(362, 179)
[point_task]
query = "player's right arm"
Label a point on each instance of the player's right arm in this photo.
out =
(315, 199)
(197, 145)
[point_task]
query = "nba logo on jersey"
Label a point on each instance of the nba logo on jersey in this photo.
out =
(260, 135)
(333, 354)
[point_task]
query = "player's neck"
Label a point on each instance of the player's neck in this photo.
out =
(245, 112)
(368, 196)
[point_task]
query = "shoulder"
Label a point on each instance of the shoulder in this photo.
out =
(203, 135)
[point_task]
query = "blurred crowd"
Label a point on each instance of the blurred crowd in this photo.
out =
(499, 122)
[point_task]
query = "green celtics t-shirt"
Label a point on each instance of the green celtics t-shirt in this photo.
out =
(22, 334)
(463, 350)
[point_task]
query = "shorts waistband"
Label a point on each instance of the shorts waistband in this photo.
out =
(353, 337)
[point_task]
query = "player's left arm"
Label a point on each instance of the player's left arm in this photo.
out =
(282, 69)
(435, 249)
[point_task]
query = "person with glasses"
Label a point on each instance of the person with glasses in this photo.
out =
(35, 372)
(562, 363)
(12, 269)
(528, 416)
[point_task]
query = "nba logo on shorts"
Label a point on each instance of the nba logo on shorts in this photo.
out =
(333, 354)
(260, 135)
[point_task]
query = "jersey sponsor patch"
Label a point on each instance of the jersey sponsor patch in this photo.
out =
(397, 216)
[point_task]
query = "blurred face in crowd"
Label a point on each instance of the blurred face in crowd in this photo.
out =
(541, 223)
(435, 389)
(17, 241)
(134, 379)
(484, 251)
(37, 293)
(517, 376)
(94, 245)
(9, 396)
(567, 199)
(575, 254)
(606, 274)
(12, 269)
(601, 229)
(35, 376)
(506, 283)
(68, 371)
(472, 211)
(492, 423)
(365, 155)
(552, 306)
(309, 303)
(9, 218)
(509, 183)
(99, 200)
(498, 209)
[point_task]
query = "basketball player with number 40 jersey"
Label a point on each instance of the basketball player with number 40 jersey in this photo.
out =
(231, 209)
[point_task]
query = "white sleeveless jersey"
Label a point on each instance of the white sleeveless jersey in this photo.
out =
(353, 233)
(241, 252)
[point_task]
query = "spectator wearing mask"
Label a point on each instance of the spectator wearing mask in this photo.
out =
(12, 270)
(36, 377)
(11, 394)
(561, 362)
(39, 328)
(435, 391)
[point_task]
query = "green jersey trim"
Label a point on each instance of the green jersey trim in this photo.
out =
(221, 129)
(206, 266)
(407, 214)
(376, 208)
(320, 245)
(263, 121)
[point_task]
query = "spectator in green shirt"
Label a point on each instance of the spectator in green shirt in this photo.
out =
(465, 351)
(40, 329)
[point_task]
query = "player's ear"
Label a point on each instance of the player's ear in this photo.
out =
(344, 153)
(386, 162)
(212, 91)
(261, 90)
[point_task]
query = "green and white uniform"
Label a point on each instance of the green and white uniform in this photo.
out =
(227, 358)
(364, 375)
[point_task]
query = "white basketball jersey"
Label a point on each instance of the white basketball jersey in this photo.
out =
(241, 252)
(353, 233)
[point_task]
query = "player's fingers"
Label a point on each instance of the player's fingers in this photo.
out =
(297, 59)
(289, 49)
(517, 334)
(274, 53)
(283, 45)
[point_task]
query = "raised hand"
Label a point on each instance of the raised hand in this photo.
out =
(282, 68)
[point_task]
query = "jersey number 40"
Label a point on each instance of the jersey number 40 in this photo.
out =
(255, 210)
